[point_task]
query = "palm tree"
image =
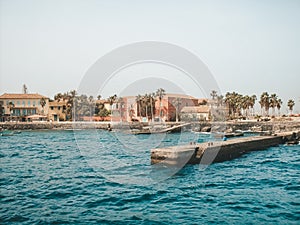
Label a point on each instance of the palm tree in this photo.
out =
(265, 102)
(152, 103)
(1, 111)
(252, 103)
(220, 100)
(160, 93)
(99, 97)
(112, 100)
(273, 103)
(10, 106)
(176, 103)
(58, 97)
(213, 94)
(43, 103)
(291, 104)
(278, 105)
(138, 100)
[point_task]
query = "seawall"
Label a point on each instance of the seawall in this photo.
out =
(52, 125)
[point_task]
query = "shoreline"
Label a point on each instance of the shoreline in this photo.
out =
(255, 126)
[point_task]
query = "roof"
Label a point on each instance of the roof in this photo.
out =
(170, 95)
(196, 109)
(56, 103)
(21, 96)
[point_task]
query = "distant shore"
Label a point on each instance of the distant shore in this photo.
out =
(275, 126)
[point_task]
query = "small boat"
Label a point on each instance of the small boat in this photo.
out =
(7, 134)
(16, 132)
(292, 142)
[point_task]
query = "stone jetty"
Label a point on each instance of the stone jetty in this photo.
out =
(206, 153)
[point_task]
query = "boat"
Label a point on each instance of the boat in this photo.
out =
(16, 132)
(292, 142)
(7, 133)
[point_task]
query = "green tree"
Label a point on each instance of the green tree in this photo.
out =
(138, 100)
(291, 104)
(213, 94)
(273, 103)
(160, 93)
(10, 106)
(43, 103)
(278, 105)
(265, 103)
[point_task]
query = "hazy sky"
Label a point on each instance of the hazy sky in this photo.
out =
(250, 46)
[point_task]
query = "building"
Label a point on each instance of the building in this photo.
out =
(196, 113)
(57, 111)
(166, 108)
(18, 107)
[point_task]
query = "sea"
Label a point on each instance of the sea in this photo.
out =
(101, 177)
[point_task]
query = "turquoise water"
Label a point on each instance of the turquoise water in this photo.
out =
(46, 179)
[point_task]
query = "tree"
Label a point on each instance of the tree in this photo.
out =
(278, 105)
(58, 97)
(111, 100)
(265, 102)
(10, 106)
(43, 103)
(176, 103)
(1, 110)
(99, 97)
(213, 94)
(291, 104)
(273, 103)
(253, 98)
(160, 93)
(220, 100)
(152, 104)
(92, 108)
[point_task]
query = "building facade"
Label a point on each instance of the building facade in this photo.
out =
(18, 107)
(57, 111)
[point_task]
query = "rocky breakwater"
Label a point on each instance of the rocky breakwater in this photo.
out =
(275, 126)
(52, 125)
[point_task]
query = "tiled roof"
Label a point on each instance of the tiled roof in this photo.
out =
(21, 96)
(170, 95)
(56, 103)
(196, 109)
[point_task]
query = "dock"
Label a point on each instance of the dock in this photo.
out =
(209, 152)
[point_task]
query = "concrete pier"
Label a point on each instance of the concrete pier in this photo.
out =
(206, 153)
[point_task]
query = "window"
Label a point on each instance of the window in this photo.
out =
(33, 103)
(17, 112)
(23, 103)
(34, 111)
(51, 107)
(28, 103)
(18, 102)
(24, 112)
(58, 107)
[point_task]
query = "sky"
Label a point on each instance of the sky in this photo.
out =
(249, 46)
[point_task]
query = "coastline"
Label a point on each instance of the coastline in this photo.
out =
(254, 126)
